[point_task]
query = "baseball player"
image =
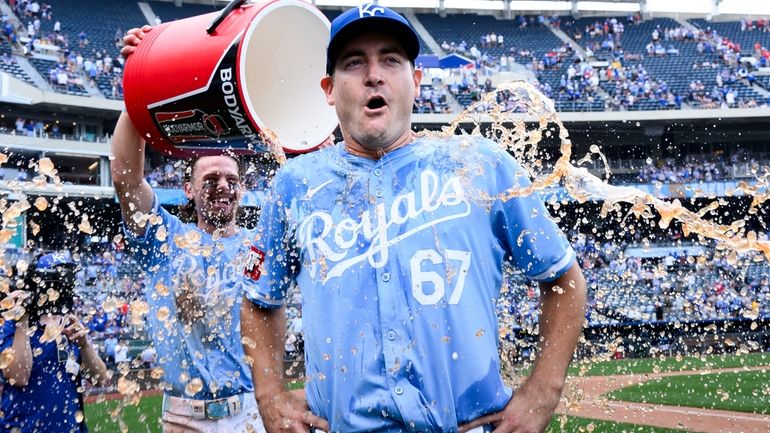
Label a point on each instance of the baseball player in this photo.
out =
(194, 288)
(397, 244)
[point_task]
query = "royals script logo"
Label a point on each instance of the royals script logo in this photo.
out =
(333, 242)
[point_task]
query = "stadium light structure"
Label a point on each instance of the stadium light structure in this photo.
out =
(681, 6)
(705, 7)
(541, 5)
(494, 5)
(743, 7)
(490, 5)
(605, 6)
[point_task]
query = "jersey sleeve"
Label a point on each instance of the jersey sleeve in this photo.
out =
(273, 262)
(152, 248)
(533, 241)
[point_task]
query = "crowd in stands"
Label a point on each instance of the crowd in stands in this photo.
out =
(77, 61)
(580, 83)
(36, 127)
(165, 175)
(610, 27)
(666, 172)
(709, 286)
(628, 85)
(525, 21)
(603, 40)
(108, 281)
(625, 80)
(432, 99)
(675, 286)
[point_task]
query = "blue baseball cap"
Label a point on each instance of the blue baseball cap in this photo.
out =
(51, 260)
(368, 18)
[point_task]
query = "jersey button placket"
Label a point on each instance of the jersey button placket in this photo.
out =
(389, 311)
(393, 312)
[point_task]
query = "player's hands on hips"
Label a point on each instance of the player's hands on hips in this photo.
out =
(132, 38)
(288, 412)
(529, 410)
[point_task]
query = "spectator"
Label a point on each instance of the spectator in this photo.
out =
(148, 356)
(290, 347)
(110, 343)
(121, 352)
(42, 390)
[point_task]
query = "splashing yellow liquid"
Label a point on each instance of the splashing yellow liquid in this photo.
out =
(584, 186)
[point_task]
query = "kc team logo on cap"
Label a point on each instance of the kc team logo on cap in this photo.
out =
(370, 18)
(370, 9)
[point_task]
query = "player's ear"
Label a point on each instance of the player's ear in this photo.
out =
(327, 84)
(417, 76)
(188, 192)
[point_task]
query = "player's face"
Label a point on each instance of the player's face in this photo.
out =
(216, 189)
(373, 90)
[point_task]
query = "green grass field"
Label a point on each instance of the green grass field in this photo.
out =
(99, 421)
(144, 417)
(583, 425)
(746, 391)
(740, 391)
(650, 365)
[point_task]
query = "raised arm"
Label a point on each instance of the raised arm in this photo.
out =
(127, 168)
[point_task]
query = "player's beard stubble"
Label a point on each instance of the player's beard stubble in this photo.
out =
(214, 214)
(219, 219)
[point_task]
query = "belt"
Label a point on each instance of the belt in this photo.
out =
(204, 409)
(486, 428)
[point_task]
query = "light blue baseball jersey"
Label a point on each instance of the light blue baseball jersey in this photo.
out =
(399, 261)
(176, 254)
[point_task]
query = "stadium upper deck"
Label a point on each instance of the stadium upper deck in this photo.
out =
(587, 63)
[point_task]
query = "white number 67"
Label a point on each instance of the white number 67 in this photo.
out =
(420, 277)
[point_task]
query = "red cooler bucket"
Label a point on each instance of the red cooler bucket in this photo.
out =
(211, 84)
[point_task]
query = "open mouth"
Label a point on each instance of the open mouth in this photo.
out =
(223, 201)
(376, 103)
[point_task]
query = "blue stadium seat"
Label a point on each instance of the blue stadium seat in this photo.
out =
(44, 67)
(732, 30)
(102, 22)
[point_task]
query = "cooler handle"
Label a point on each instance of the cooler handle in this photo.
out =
(234, 4)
